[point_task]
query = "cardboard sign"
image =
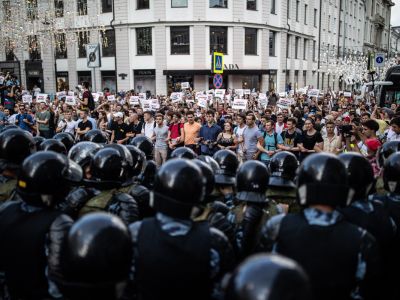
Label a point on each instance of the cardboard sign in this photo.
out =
(155, 104)
(347, 94)
(313, 93)
(41, 98)
(176, 97)
(284, 103)
(134, 100)
(239, 104)
(27, 98)
(247, 92)
(202, 101)
(70, 100)
(142, 96)
(111, 98)
(219, 93)
(185, 85)
(146, 105)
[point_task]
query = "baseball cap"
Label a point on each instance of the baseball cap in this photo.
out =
(373, 144)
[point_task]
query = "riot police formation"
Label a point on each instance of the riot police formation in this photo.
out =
(102, 222)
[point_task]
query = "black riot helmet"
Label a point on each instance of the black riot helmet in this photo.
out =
(228, 163)
(360, 174)
(386, 150)
(178, 187)
(138, 158)
(53, 145)
(66, 138)
(147, 177)
(83, 152)
(46, 178)
(391, 173)
(96, 256)
(144, 144)
(95, 136)
(267, 277)
(252, 181)
(127, 160)
(283, 166)
(10, 126)
(38, 140)
(107, 168)
(15, 146)
(183, 152)
(208, 175)
(322, 179)
(210, 161)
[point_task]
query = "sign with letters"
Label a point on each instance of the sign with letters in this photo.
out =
(41, 98)
(239, 104)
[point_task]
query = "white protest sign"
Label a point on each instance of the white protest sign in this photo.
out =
(284, 103)
(142, 96)
(263, 99)
(239, 92)
(95, 97)
(347, 94)
(70, 100)
(60, 94)
(70, 93)
(247, 92)
(146, 105)
(27, 98)
(41, 98)
(101, 94)
(313, 93)
(239, 104)
(185, 85)
(155, 104)
(202, 101)
(176, 97)
(111, 98)
(282, 94)
(134, 100)
(199, 94)
(219, 93)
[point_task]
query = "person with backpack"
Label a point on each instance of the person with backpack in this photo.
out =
(271, 143)
(87, 102)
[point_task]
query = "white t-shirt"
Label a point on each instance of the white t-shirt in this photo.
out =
(68, 126)
(392, 136)
(148, 129)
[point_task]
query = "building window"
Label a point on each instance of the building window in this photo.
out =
(34, 49)
(250, 41)
(83, 40)
(315, 17)
(219, 39)
(305, 13)
(7, 10)
(59, 8)
(82, 7)
(272, 41)
(218, 3)
(180, 40)
(288, 9)
(106, 6)
(61, 47)
(31, 9)
(296, 47)
(288, 46)
(252, 4)
(144, 41)
(313, 51)
(305, 46)
(297, 10)
(179, 3)
(273, 7)
(9, 51)
(108, 43)
(143, 4)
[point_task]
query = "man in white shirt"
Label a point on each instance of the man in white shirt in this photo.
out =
(394, 131)
(149, 124)
(67, 124)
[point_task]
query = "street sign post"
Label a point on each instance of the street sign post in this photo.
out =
(379, 60)
(218, 81)
(218, 63)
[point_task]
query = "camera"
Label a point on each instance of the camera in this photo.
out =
(346, 130)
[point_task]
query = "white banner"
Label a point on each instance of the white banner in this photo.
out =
(41, 98)
(239, 92)
(134, 100)
(313, 93)
(176, 97)
(27, 98)
(347, 94)
(239, 104)
(142, 96)
(146, 105)
(95, 97)
(199, 94)
(111, 98)
(155, 104)
(70, 100)
(71, 93)
(61, 94)
(185, 85)
(219, 93)
(263, 99)
(284, 103)
(202, 101)
(247, 91)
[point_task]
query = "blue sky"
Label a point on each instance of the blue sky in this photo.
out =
(396, 13)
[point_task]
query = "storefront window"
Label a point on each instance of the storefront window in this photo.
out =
(108, 80)
(174, 82)
(62, 81)
(251, 82)
(84, 76)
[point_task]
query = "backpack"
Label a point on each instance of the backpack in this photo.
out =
(91, 105)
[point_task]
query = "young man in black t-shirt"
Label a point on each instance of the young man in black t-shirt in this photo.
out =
(119, 129)
(83, 126)
(291, 137)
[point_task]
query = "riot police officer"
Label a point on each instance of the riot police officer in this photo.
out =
(183, 152)
(53, 145)
(340, 258)
(268, 277)
(44, 180)
(225, 176)
(281, 186)
(88, 259)
(66, 138)
(95, 136)
(385, 151)
(144, 144)
(253, 208)
(109, 172)
(183, 259)
(15, 146)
